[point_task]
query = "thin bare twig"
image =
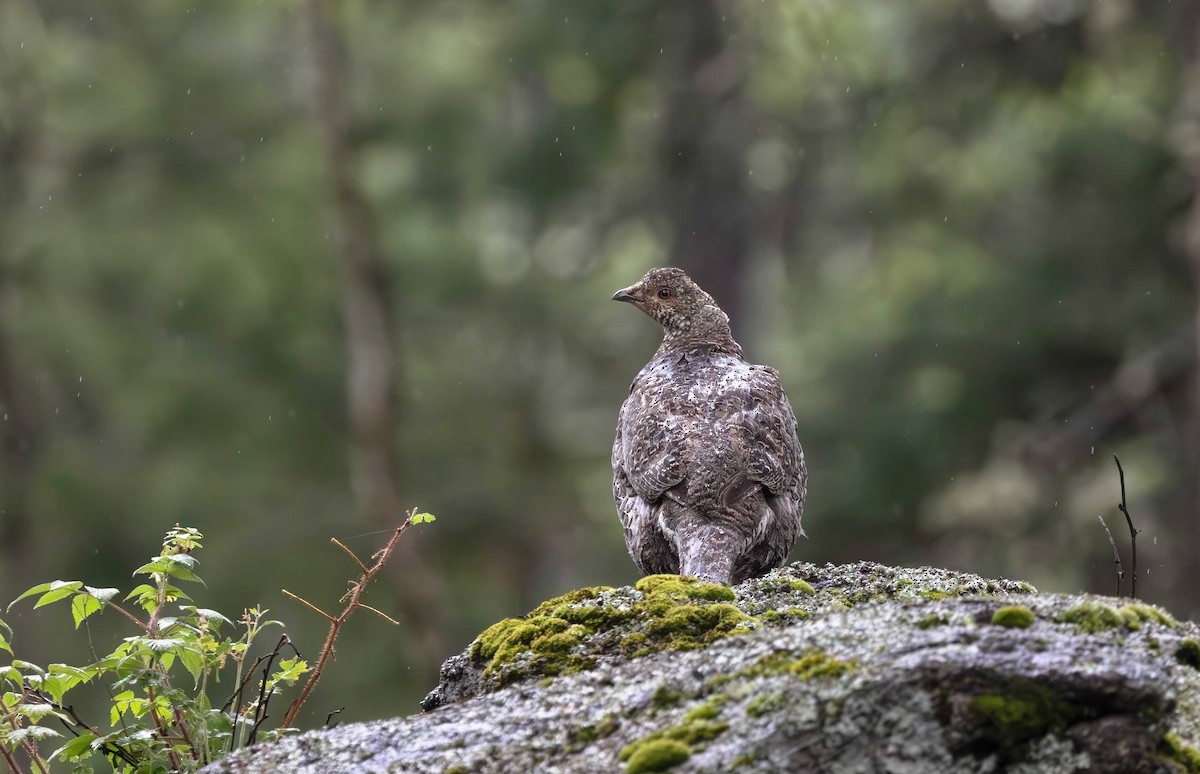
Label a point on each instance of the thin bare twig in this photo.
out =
(310, 605)
(352, 603)
(260, 713)
(380, 613)
(1133, 533)
(353, 556)
(1116, 555)
(264, 698)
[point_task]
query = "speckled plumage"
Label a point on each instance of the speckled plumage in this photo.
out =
(708, 473)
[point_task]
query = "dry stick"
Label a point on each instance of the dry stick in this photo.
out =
(261, 718)
(352, 604)
(264, 698)
(1116, 555)
(1133, 533)
(237, 692)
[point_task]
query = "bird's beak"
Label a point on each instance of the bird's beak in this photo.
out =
(625, 295)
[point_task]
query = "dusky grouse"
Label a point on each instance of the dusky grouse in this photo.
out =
(708, 474)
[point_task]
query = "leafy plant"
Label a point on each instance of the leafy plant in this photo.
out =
(159, 680)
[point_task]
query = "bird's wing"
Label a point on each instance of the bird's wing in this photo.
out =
(652, 437)
(650, 549)
(768, 424)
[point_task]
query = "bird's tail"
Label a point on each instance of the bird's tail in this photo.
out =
(707, 549)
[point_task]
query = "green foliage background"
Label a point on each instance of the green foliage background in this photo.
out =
(958, 221)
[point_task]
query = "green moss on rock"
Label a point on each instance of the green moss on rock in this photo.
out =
(696, 727)
(674, 612)
(682, 587)
(657, 755)
(1014, 617)
(1188, 652)
(665, 696)
(763, 705)
(1016, 713)
(787, 615)
(1096, 617)
(932, 620)
(802, 586)
(1182, 755)
(706, 711)
(585, 735)
(817, 664)
(1093, 617)
(1136, 614)
(687, 627)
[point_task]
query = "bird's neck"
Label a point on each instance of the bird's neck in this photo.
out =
(709, 329)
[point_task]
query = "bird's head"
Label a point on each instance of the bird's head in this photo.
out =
(670, 298)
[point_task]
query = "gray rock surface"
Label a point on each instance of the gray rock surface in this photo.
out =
(856, 668)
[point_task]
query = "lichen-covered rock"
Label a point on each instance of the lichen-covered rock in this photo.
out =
(850, 668)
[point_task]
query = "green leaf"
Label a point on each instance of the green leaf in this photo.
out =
(193, 662)
(290, 670)
(422, 518)
(38, 589)
(37, 711)
(187, 560)
(34, 733)
(58, 590)
(138, 591)
(102, 595)
(79, 747)
(84, 605)
(205, 613)
(172, 569)
(124, 702)
(63, 677)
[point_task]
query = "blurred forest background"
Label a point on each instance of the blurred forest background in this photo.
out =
(278, 270)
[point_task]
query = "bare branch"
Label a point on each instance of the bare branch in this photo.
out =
(353, 555)
(310, 605)
(1133, 533)
(1116, 555)
(352, 603)
(380, 613)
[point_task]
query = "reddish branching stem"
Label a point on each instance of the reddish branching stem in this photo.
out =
(351, 604)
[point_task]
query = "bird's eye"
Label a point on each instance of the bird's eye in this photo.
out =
(664, 293)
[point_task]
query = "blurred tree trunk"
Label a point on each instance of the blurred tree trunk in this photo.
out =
(16, 422)
(16, 451)
(705, 139)
(371, 377)
(1189, 30)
